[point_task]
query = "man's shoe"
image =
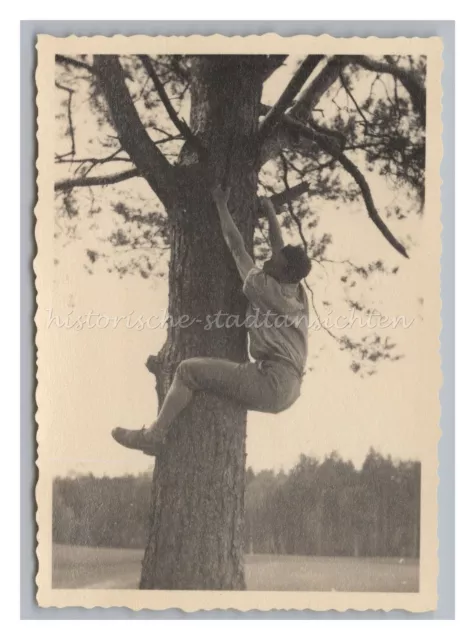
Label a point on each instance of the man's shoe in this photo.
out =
(140, 440)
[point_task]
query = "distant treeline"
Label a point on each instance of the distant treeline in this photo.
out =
(317, 508)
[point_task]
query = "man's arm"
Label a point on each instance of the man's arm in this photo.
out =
(275, 234)
(231, 234)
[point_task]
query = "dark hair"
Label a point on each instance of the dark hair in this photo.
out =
(298, 263)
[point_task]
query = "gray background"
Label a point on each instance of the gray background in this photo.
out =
(446, 530)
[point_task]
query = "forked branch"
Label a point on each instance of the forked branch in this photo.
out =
(180, 124)
(290, 132)
(289, 93)
(133, 137)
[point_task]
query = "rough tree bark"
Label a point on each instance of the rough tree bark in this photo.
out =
(196, 518)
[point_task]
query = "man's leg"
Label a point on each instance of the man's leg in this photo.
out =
(177, 398)
(216, 375)
(148, 440)
(241, 382)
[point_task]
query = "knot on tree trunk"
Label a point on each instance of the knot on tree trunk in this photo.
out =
(163, 372)
(153, 364)
(160, 368)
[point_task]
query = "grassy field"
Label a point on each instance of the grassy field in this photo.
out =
(99, 568)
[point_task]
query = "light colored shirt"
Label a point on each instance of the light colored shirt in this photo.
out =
(276, 319)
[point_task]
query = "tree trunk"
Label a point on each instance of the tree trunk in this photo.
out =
(196, 517)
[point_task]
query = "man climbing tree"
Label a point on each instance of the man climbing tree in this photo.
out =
(278, 329)
(235, 138)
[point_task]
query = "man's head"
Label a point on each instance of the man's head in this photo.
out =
(291, 264)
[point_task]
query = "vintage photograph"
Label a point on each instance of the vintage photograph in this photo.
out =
(237, 274)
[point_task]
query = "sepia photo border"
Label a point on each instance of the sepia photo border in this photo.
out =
(426, 599)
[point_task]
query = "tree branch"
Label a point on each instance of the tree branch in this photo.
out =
(290, 193)
(291, 132)
(292, 89)
(93, 161)
(181, 125)
(134, 139)
(310, 97)
(330, 145)
(408, 80)
(360, 180)
(79, 64)
(110, 158)
(93, 181)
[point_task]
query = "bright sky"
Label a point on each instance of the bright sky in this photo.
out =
(99, 379)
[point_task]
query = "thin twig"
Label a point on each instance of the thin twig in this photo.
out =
(289, 202)
(180, 124)
(381, 81)
(312, 298)
(113, 157)
(302, 172)
(349, 262)
(70, 118)
(110, 158)
(349, 93)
